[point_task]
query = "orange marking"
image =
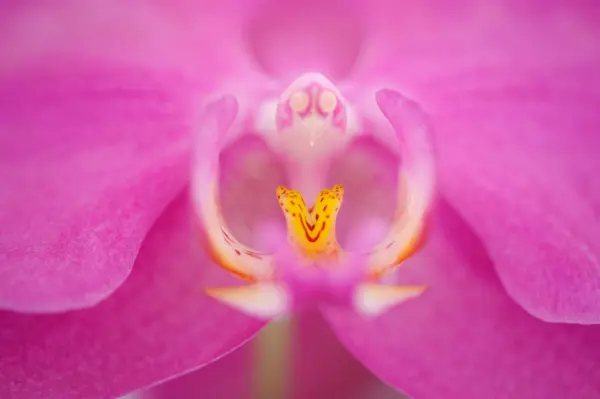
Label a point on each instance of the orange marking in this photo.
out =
(415, 244)
(219, 260)
(311, 228)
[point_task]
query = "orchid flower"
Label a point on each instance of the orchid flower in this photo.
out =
(142, 147)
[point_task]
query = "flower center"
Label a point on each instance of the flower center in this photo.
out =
(310, 127)
(311, 231)
(308, 122)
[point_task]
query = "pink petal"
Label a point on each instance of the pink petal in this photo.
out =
(464, 338)
(158, 324)
(92, 85)
(166, 35)
(412, 43)
(89, 157)
(323, 368)
(513, 87)
(226, 378)
(518, 159)
(288, 38)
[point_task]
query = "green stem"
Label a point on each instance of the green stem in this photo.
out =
(272, 365)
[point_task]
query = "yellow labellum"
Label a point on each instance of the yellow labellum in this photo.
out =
(311, 231)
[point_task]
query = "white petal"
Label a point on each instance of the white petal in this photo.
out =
(374, 299)
(264, 300)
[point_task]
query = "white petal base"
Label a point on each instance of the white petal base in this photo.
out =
(263, 300)
(375, 299)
